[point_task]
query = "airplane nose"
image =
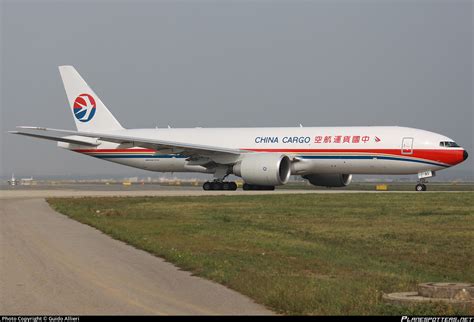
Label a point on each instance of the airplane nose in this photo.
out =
(465, 155)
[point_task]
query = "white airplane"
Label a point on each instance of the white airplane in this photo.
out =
(262, 157)
(13, 181)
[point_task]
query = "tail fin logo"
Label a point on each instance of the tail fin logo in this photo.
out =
(84, 107)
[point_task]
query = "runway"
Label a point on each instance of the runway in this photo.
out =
(50, 264)
(12, 194)
(101, 190)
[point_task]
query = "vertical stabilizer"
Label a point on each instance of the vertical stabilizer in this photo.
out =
(90, 114)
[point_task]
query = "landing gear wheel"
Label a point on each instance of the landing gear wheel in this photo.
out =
(216, 186)
(420, 187)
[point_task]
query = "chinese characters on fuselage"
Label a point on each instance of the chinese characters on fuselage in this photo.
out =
(318, 139)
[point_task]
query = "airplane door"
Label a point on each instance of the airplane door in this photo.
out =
(407, 146)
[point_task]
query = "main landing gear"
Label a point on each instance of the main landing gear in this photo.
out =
(220, 185)
(232, 186)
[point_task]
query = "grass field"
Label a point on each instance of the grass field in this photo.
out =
(301, 254)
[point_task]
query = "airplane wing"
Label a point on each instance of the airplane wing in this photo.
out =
(187, 149)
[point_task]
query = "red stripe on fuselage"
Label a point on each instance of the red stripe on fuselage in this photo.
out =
(446, 156)
(115, 150)
(450, 157)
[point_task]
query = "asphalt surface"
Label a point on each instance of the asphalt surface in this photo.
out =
(98, 190)
(50, 264)
(12, 194)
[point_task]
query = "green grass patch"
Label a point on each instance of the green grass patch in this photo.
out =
(301, 254)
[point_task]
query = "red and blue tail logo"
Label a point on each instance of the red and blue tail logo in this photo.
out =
(84, 107)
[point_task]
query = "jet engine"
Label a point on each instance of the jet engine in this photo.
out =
(329, 180)
(266, 169)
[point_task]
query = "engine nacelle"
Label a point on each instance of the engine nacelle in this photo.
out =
(266, 169)
(329, 180)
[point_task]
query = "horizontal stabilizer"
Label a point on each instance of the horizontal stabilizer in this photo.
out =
(54, 138)
(173, 147)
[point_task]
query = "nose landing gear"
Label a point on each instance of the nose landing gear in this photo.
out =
(420, 187)
(422, 176)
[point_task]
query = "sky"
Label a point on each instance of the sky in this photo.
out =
(234, 63)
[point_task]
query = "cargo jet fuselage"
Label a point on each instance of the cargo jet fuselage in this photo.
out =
(262, 157)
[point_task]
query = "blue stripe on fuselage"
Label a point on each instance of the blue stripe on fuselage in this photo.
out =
(367, 157)
(321, 157)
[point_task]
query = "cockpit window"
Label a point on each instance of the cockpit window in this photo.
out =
(449, 144)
